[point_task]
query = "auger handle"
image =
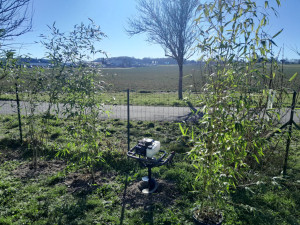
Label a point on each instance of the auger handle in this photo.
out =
(169, 159)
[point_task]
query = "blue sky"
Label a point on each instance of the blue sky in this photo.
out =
(112, 17)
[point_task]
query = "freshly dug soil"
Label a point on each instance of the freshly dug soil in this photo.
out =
(165, 194)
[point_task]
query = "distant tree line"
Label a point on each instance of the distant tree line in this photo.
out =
(125, 61)
(122, 61)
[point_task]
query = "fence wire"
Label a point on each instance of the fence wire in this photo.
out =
(144, 106)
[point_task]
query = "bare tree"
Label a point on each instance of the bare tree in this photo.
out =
(296, 50)
(168, 23)
(15, 18)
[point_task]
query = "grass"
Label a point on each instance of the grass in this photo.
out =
(60, 193)
(145, 99)
(120, 98)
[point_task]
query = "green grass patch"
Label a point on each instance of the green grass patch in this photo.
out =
(61, 193)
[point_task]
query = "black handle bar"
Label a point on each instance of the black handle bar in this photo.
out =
(151, 162)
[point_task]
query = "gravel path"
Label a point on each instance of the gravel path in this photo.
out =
(150, 113)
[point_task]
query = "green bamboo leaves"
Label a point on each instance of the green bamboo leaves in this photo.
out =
(74, 83)
(293, 77)
(231, 129)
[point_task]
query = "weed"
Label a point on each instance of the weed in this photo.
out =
(57, 178)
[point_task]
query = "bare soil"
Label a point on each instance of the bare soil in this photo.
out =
(10, 154)
(165, 194)
(27, 170)
(82, 181)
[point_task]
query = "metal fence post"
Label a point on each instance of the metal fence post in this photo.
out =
(19, 114)
(288, 142)
(128, 122)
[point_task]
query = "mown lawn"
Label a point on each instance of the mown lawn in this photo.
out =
(61, 191)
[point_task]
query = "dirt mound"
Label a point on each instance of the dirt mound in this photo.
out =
(165, 194)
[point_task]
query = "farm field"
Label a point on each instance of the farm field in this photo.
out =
(60, 191)
(152, 78)
(165, 78)
(155, 85)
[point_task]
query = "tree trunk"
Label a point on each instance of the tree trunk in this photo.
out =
(180, 65)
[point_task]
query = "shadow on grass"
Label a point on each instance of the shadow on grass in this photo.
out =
(148, 210)
(10, 143)
(13, 149)
(267, 205)
(148, 207)
(123, 201)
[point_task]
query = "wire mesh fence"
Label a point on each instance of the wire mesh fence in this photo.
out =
(150, 107)
(146, 108)
(157, 106)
